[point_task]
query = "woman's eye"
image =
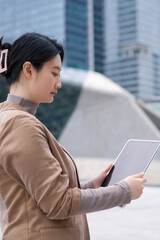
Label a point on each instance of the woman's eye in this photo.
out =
(55, 74)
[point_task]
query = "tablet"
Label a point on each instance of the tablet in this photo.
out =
(134, 158)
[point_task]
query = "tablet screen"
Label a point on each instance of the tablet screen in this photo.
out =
(134, 158)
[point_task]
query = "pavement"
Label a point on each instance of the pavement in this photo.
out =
(139, 220)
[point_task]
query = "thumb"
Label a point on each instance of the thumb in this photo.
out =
(139, 175)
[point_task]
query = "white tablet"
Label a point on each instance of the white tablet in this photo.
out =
(134, 158)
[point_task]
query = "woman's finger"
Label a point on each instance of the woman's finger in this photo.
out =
(108, 168)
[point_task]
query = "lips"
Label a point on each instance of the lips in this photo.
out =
(54, 93)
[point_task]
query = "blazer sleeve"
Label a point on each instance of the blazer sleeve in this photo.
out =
(27, 158)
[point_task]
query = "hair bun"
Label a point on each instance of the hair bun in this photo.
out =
(5, 45)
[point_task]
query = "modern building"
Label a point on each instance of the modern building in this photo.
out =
(77, 40)
(105, 117)
(119, 38)
(100, 47)
(133, 49)
(66, 20)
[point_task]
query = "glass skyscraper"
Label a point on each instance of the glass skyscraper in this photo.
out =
(77, 44)
(119, 38)
(44, 16)
(133, 49)
(100, 48)
(66, 20)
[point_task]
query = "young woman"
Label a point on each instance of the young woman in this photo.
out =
(40, 193)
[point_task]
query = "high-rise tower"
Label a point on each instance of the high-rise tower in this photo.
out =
(119, 38)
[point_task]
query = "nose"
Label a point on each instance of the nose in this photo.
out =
(59, 84)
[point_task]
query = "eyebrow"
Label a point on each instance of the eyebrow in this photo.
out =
(58, 68)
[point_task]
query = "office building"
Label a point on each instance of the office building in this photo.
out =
(119, 38)
(67, 21)
(133, 49)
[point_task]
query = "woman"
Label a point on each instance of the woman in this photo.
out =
(41, 196)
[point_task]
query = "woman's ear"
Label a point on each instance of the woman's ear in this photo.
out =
(28, 70)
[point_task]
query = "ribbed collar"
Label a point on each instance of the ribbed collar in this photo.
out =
(29, 106)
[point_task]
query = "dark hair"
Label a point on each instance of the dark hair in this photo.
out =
(32, 47)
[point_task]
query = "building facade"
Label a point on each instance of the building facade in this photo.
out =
(119, 38)
(65, 20)
(76, 34)
(133, 49)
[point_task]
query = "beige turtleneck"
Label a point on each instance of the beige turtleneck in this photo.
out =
(30, 106)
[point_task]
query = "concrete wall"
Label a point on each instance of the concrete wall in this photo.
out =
(105, 117)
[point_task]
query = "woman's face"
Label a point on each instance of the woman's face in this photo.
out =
(46, 82)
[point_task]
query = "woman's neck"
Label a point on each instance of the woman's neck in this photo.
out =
(28, 105)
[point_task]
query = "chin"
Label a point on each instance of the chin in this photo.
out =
(49, 100)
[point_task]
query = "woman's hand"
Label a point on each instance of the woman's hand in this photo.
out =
(98, 180)
(135, 183)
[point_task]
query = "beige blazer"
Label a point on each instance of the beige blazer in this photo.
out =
(39, 184)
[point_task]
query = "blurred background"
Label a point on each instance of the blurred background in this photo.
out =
(111, 86)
